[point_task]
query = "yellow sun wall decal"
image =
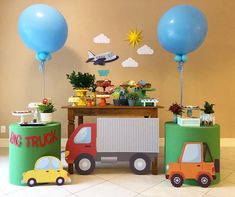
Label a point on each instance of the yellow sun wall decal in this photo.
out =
(134, 37)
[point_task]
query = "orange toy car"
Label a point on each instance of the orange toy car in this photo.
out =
(195, 163)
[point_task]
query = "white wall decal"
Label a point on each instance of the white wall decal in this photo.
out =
(145, 50)
(101, 39)
(130, 63)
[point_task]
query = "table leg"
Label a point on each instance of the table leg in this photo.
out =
(80, 120)
(71, 127)
(154, 166)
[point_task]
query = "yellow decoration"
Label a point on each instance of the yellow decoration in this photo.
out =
(134, 37)
(47, 169)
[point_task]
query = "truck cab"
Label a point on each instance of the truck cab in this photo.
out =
(81, 148)
(196, 163)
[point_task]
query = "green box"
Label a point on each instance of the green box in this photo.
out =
(176, 136)
(28, 143)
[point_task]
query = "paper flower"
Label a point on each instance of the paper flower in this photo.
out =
(101, 39)
(145, 50)
(130, 63)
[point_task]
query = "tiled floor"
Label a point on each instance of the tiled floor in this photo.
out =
(118, 181)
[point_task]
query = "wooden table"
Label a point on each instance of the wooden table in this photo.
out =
(109, 110)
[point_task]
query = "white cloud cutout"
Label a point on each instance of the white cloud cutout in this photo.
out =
(101, 39)
(145, 50)
(130, 63)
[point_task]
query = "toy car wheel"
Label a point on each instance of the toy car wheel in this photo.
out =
(140, 164)
(204, 180)
(84, 164)
(32, 182)
(177, 180)
(60, 181)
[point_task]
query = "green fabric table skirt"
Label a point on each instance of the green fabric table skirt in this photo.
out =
(176, 136)
(27, 144)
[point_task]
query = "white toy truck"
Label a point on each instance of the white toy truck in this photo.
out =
(114, 139)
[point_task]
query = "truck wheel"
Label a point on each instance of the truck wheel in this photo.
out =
(84, 164)
(204, 180)
(32, 182)
(177, 180)
(140, 164)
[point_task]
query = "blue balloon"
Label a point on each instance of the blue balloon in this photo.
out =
(43, 56)
(42, 28)
(178, 58)
(182, 29)
(184, 58)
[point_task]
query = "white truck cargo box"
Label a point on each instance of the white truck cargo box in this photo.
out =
(128, 135)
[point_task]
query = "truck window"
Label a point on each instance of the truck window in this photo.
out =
(43, 164)
(83, 136)
(192, 153)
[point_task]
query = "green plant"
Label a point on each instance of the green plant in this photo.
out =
(81, 80)
(175, 108)
(208, 108)
(116, 95)
(132, 95)
(46, 108)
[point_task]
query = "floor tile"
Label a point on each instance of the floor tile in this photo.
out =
(136, 183)
(2, 193)
(81, 182)
(108, 173)
(223, 189)
(225, 173)
(6, 187)
(39, 191)
(107, 189)
(227, 164)
(230, 178)
(165, 189)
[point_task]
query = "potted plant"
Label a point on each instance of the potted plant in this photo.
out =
(122, 99)
(132, 97)
(46, 109)
(207, 118)
(119, 96)
(116, 96)
(177, 110)
(81, 83)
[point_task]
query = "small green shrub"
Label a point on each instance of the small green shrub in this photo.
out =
(81, 80)
(46, 108)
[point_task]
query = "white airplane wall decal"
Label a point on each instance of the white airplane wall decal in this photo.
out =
(102, 58)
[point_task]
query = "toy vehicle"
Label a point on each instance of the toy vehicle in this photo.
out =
(112, 140)
(47, 169)
(195, 163)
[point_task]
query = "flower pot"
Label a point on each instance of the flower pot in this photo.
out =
(81, 93)
(131, 102)
(123, 102)
(46, 117)
(116, 102)
(207, 119)
(175, 118)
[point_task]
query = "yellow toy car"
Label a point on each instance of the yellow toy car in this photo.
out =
(47, 169)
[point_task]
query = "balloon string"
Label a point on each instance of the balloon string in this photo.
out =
(180, 68)
(44, 83)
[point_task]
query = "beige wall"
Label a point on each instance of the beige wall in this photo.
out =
(209, 73)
